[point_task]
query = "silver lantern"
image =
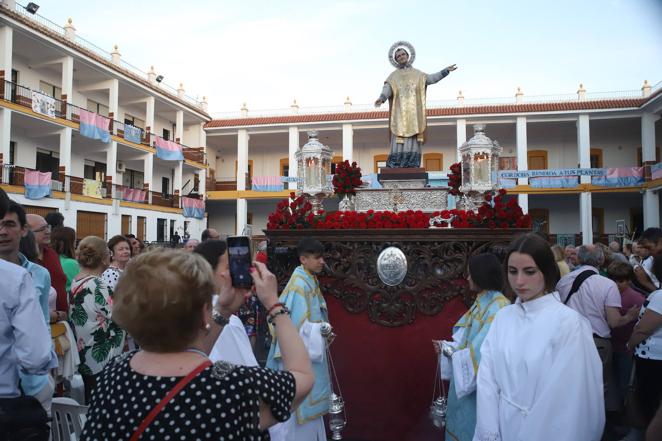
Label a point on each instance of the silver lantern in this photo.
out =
(314, 171)
(480, 162)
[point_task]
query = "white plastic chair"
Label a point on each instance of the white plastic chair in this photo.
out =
(68, 419)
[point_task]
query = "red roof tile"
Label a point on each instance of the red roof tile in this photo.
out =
(439, 111)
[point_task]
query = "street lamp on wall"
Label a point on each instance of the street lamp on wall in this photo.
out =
(32, 8)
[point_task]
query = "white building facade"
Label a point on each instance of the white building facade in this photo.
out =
(38, 56)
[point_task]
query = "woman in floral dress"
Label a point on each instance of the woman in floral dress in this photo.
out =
(99, 338)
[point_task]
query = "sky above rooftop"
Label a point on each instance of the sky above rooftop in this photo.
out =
(267, 53)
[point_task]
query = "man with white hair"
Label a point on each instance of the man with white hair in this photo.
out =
(597, 298)
(191, 244)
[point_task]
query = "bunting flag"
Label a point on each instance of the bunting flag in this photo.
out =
(43, 104)
(92, 188)
(554, 182)
(168, 150)
(193, 207)
(507, 183)
(94, 126)
(37, 184)
(133, 134)
(656, 171)
(267, 183)
(133, 195)
(620, 177)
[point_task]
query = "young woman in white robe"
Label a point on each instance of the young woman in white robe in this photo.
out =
(540, 376)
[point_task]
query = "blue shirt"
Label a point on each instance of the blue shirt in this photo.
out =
(33, 384)
(24, 339)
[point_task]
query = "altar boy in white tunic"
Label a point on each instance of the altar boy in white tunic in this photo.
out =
(304, 300)
(540, 376)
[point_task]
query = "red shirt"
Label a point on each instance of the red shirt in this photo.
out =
(51, 261)
(621, 335)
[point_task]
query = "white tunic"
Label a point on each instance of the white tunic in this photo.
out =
(540, 376)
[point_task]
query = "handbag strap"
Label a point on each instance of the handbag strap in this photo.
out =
(578, 283)
(80, 287)
(169, 396)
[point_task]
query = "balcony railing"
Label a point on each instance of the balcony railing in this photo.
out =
(229, 184)
(57, 108)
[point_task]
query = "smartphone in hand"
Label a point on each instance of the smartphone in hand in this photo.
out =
(239, 253)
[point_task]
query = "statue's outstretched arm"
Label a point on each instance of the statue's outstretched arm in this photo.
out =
(387, 93)
(436, 77)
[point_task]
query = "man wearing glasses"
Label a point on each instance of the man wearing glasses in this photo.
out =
(50, 260)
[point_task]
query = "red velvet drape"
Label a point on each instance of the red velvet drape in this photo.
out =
(386, 374)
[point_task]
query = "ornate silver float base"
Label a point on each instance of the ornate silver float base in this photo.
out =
(403, 199)
(405, 183)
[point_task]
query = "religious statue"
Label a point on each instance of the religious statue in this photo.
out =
(405, 89)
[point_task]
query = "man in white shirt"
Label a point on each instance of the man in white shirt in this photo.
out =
(597, 298)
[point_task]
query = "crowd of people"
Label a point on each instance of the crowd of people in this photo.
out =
(559, 343)
(576, 356)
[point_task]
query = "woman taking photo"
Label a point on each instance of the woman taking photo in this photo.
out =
(90, 311)
(485, 278)
(169, 388)
(120, 254)
(540, 376)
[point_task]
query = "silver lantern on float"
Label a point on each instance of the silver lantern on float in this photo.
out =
(480, 166)
(314, 171)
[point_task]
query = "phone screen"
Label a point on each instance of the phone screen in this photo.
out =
(239, 252)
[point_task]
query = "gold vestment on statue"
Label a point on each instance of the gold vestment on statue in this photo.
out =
(407, 105)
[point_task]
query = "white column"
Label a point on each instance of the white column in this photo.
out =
(461, 130)
(242, 169)
(65, 150)
(242, 215)
(347, 142)
(203, 137)
(5, 138)
(6, 43)
(522, 159)
(179, 126)
(111, 161)
(651, 209)
(202, 184)
(68, 81)
(586, 217)
(242, 159)
(149, 113)
(113, 97)
(584, 145)
(648, 137)
(179, 171)
(148, 173)
(293, 147)
(585, 200)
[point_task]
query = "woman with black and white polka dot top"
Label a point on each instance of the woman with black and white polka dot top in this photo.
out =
(164, 300)
(646, 341)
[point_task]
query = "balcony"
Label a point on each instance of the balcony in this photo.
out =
(229, 184)
(56, 108)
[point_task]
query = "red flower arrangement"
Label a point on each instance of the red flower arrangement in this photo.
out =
(292, 214)
(347, 179)
(495, 212)
(455, 179)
